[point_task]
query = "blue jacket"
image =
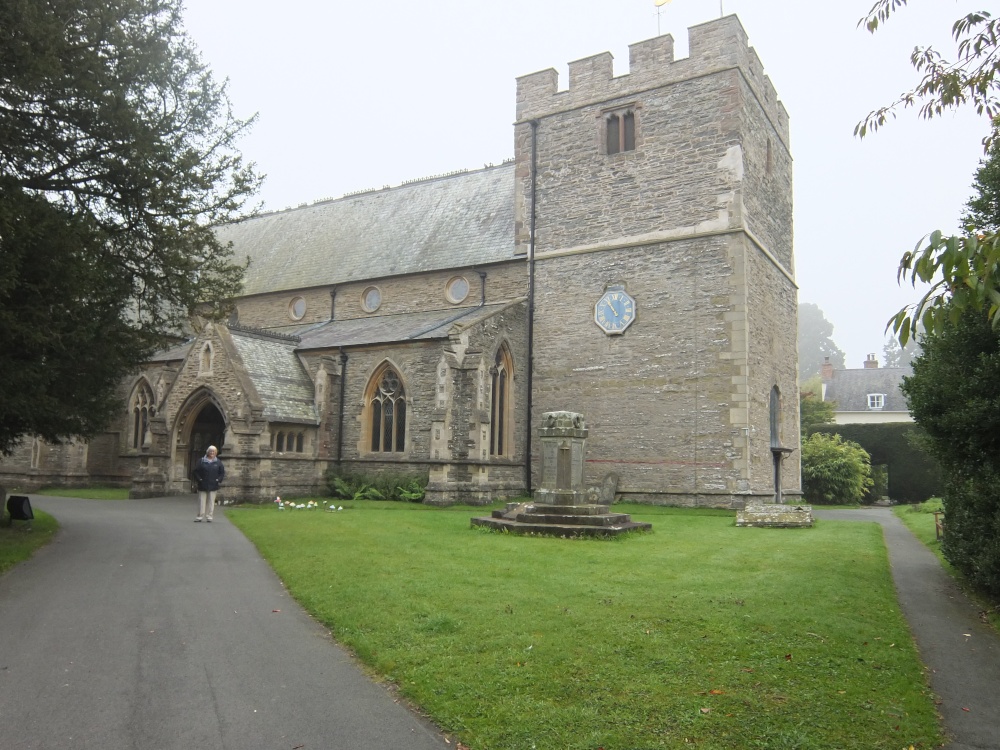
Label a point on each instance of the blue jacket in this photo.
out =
(209, 474)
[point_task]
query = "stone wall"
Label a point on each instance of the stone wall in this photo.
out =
(447, 394)
(656, 399)
(695, 224)
(37, 463)
(402, 294)
(772, 306)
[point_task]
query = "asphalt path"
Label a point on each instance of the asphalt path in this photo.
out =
(961, 652)
(137, 628)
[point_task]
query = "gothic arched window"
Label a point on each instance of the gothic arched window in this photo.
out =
(501, 406)
(386, 404)
(140, 410)
(619, 131)
(775, 415)
(205, 365)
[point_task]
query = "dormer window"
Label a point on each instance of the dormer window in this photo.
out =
(619, 130)
(876, 401)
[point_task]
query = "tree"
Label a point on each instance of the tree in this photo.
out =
(815, 344)
(834, 470)
(894, 355)
(963, 271)
(118, 158)
(954, 395)
(813, 410)
(983, 209)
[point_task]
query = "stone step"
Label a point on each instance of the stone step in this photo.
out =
(570, 510)
(608, 519)
(560, 530)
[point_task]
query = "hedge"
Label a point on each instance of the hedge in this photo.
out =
(914, 476)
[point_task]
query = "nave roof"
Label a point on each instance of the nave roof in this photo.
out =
(459, 220)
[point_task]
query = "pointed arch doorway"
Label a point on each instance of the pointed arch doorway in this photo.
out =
(208, 428)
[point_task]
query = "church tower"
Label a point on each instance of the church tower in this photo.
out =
(654, 210)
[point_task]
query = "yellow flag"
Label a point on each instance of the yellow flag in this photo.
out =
(658, 3)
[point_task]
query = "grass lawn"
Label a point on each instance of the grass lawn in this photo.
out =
(696, 634)
(88, 493)
(19, 541)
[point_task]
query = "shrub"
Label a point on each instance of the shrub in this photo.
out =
(834, 470)
(386, 486)
(971, 539)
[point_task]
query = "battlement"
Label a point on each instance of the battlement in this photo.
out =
(714, 46)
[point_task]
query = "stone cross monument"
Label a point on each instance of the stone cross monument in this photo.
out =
(561, 505)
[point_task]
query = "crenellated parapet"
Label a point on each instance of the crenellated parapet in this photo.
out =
(714, 46)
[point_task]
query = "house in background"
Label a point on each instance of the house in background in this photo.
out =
(869, 395)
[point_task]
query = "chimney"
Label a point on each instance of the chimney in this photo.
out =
(871, 363)
(826, 369)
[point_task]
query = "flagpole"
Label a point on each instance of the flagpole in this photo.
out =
(659, 9)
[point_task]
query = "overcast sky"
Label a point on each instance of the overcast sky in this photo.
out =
(361, 95)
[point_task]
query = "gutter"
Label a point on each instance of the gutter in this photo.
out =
(531, 302)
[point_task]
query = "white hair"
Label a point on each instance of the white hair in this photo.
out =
(211, 448)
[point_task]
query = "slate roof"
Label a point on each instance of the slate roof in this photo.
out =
(850, 388)
(174, 353)
(458, 220)
(279, 377)
(385, 329)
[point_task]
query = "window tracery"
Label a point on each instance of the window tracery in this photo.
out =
(501, 421)
(142, 408)
(386, 404)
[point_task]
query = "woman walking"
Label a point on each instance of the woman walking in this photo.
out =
(208, 473)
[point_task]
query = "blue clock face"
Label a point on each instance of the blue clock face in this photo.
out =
(615, 311)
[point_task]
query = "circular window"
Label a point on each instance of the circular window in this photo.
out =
(457, 290)
(371, 299)
(297, 308)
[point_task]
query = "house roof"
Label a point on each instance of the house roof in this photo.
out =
(457, 220)
(850, 388)
(278, 375)
(382, 329)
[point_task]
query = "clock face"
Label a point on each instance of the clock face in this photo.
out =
(615, 311)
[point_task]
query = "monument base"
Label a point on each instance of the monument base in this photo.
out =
(775, 515)
(561, 520)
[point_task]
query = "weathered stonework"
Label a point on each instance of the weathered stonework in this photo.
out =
(775, 515)
(695, 223)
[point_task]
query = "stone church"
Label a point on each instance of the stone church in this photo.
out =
(632, 262)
